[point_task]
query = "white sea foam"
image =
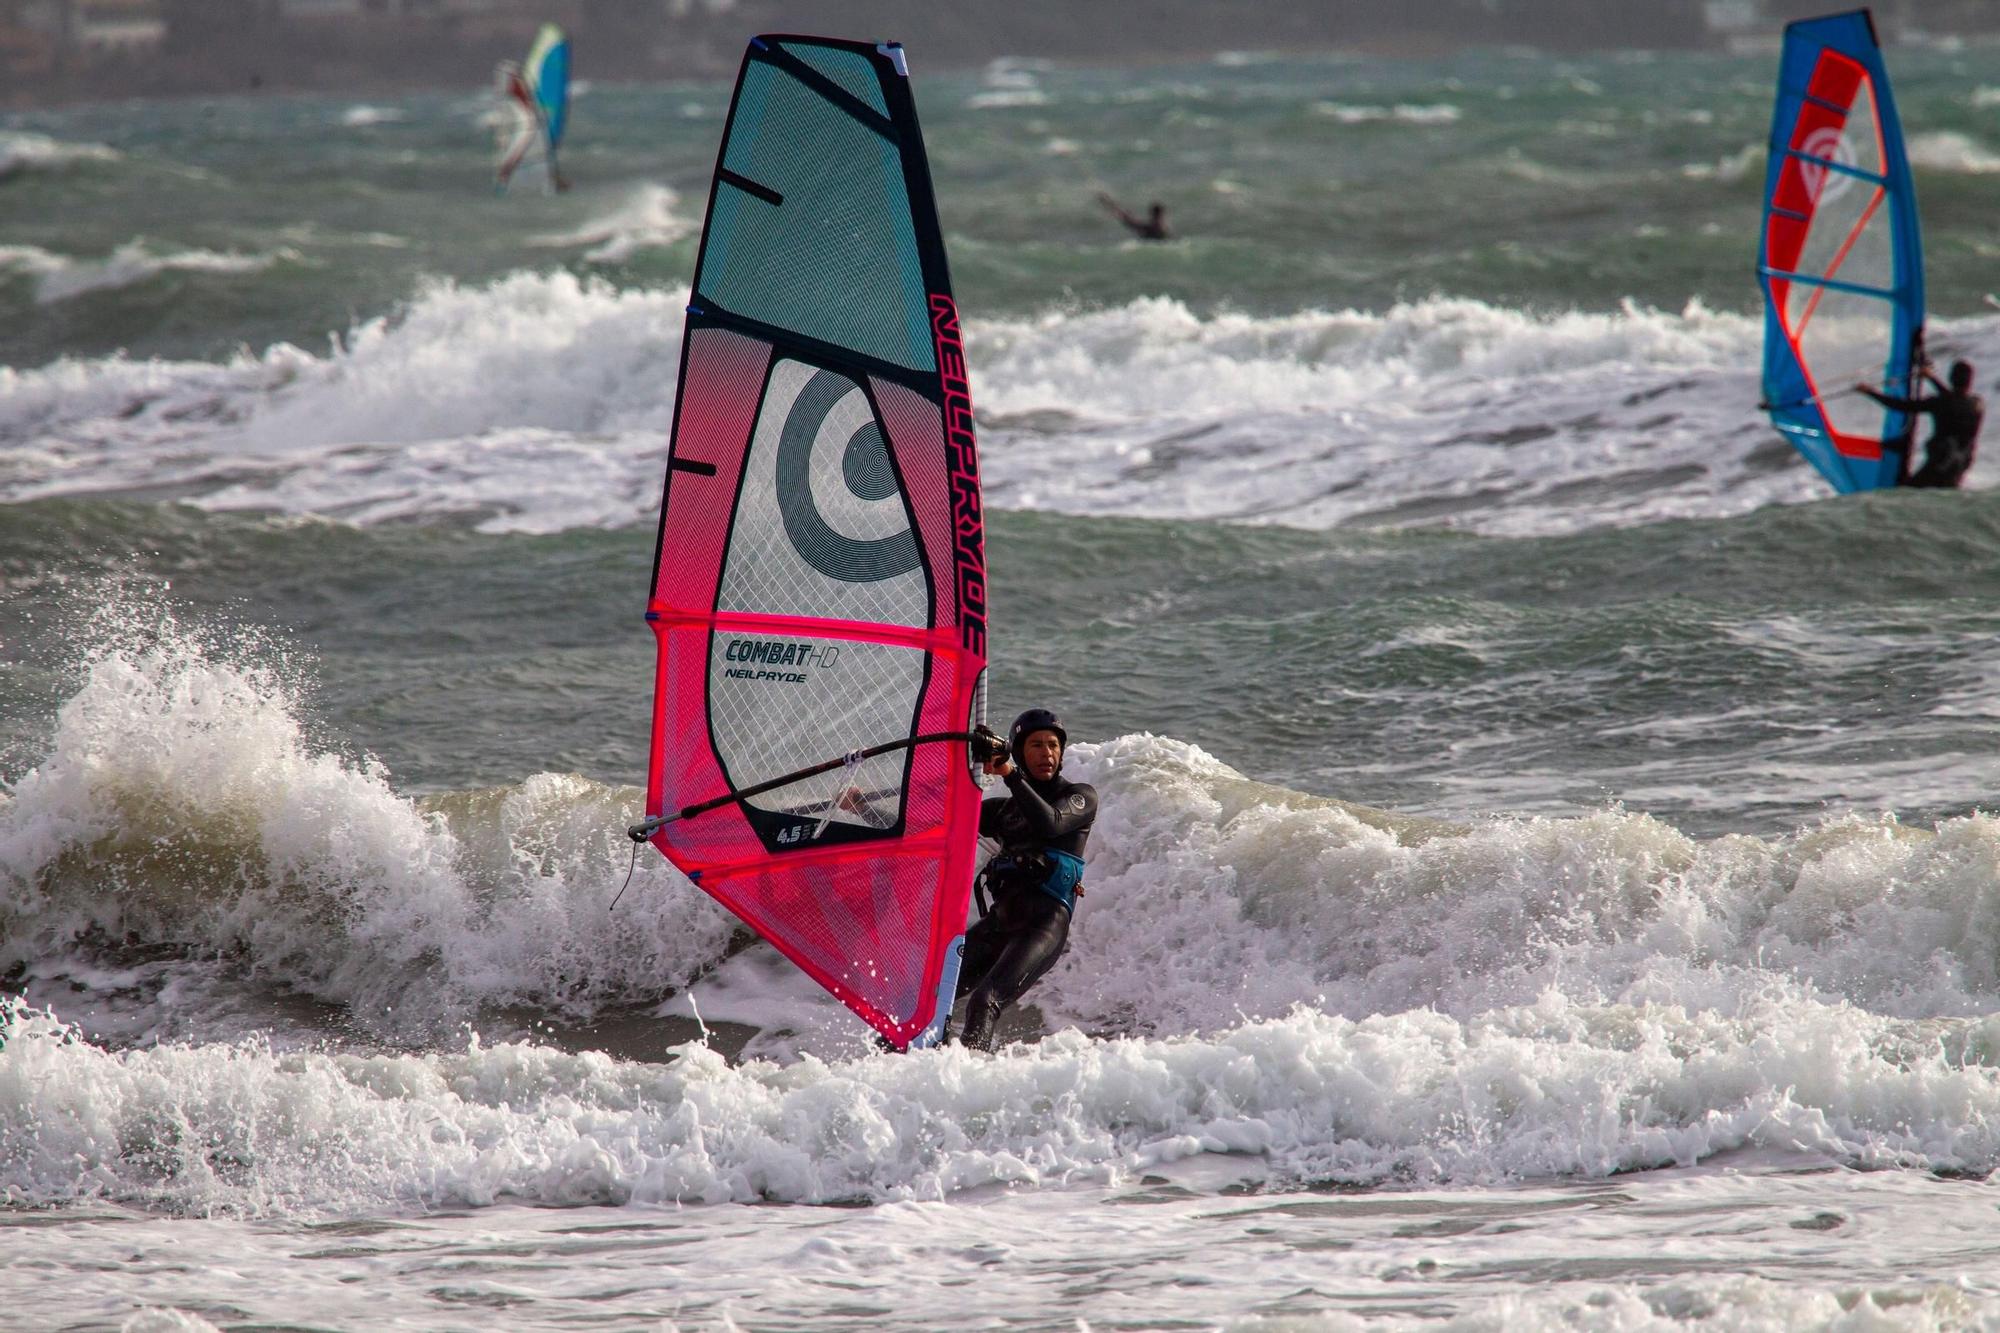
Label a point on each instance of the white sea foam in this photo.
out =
(1015, 71)
(1550, 1090)
(1716, 1250)
(1011, 81)
(63, 277)
(647, 218)
(1437, 113)
(1264, 898)
(1948, 150)
(1435, 411)
(1531, 1039)
(166, 1319)
(21, 151)
(999, 98)
(362, 115)
(542, 402)
(31, 259)
(1728, 169)
(182, 802)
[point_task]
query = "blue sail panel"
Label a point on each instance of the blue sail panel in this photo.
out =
(1840, 257)
(547, 71)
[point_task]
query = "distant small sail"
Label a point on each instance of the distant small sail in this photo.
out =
(517, 125)
(534, 98)
(1841, 260)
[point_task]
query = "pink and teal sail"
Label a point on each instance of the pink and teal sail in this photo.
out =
(819, 587)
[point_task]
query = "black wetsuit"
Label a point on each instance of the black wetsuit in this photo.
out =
(1954, 438)
(1010, 947)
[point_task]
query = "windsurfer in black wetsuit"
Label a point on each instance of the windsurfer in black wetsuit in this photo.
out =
(1034, 879)
(1956, 413)
(1152, 227)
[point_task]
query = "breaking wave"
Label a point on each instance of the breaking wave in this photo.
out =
(540, 402)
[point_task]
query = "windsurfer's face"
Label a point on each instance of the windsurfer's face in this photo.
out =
(1041, 754)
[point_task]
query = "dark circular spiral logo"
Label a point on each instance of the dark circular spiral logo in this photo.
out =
(866, 471)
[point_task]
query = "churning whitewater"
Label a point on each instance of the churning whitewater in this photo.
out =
(1543, 877)
(1441, 411)
(1357, 996)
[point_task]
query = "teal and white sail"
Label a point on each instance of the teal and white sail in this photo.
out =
(534, 110)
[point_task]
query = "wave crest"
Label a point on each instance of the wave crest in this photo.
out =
(541, 402)
(22, 152)
(184, 804)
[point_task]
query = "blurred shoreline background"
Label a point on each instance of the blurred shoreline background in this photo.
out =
(54, 52)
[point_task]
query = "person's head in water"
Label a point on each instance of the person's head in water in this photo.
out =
(1961, 375)
(1036, 743)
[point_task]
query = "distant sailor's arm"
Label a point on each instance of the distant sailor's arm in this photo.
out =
(1078, 812)
(1894, 403)
(1112, 207)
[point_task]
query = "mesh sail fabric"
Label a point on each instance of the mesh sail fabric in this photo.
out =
(837, 259)
(1841, 262)
(849, 69)
(819, 584)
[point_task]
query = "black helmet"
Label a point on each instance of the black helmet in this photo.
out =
(1026, 725)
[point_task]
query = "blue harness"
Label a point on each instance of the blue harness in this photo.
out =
(1059, 880)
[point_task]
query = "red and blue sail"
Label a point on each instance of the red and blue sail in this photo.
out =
(1841, 259)
(819, 584)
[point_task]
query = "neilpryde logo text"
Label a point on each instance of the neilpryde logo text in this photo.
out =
(962, 466)
(776, 653)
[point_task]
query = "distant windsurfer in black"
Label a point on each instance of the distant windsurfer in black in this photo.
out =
(1036, 877)
(1152, 227)
(1956, 413)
